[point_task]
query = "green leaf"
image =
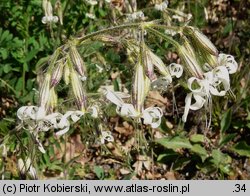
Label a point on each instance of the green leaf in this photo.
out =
(99, 172)
(175, 142)
(55, 167)
(226, 138)
(7, 68)
(220, 158)
(181, 163)
(227, 169)
(242, 149)
(226, 120)
(197, 138)
(168, 156)
(4, 53)
(201, 151)
(31, 54)
(19, 84)
(163, 127)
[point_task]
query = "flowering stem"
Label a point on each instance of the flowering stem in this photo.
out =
(116, 28)
(159, 34)
(159, 26)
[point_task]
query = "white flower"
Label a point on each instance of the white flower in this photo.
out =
(93, 110)
(48, 18)
(162, 6)
(90, 15)
(229, 62)
(152, 115)
(106, 136)
(30, 112)
(216, 82)
(92, 2)
(100, 69)
(175, 70)
(135, 16)
(64, 123)
(170, 32)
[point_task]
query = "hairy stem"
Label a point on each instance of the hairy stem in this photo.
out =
(161, 35)
(116, 28)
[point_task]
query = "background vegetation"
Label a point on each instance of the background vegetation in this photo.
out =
(181, 152)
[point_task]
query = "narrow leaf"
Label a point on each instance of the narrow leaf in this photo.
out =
(242, 148)
(226, 120)
(175, 142)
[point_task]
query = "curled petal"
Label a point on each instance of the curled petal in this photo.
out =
(40, 114)
(76, 115)
(55, 19)
(30, 112)
(45, 20)
(127, 110)
(229, 62)
(221, 76)
(190, 83)
(114, 98)
(152, 116)
(40, 146)
(63, 130)
(93, 110)
(175, 70)
(187, 106)
(199, 102)
(106, 136)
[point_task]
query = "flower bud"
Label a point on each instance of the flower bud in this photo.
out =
(188, 47)
(44, 93)
(57, 74)
(53, 100)
(78, 90)
(153, 59)
(211, 60)
(192, 65)
(141, 87)
(77, 61)
(201, 40)
(66, 74)
(58, 8)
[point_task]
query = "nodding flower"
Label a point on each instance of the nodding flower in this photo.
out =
(162, 6)
(106, 136)
(48, 10)
(151, 116)
(214, 83)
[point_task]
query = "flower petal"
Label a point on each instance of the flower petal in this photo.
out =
(114, 98)
(127, 110)
(175, 70)
(187, 106)
(152, 116)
